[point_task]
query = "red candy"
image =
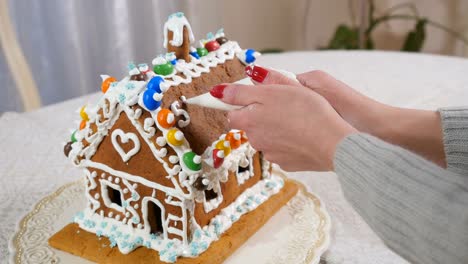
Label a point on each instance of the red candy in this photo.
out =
(218, 158)
(212, 45)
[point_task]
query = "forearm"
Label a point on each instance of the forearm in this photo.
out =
(419, 131)
(416, 207)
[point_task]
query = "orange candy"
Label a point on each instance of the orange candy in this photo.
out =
(82, 124)
(244, 137)
(234, 139)
(106, 83)
(166, 118)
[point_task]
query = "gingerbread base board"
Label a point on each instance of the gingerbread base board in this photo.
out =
(78, 242)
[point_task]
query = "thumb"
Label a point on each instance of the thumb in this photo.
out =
(260, 75)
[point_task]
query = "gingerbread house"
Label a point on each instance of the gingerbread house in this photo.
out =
(161, 173)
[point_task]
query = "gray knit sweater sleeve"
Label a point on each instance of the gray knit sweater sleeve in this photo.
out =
(455, 131)
(419, 209)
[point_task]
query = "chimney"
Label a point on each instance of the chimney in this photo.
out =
(178, 36)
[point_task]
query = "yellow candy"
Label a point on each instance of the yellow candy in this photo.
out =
(83, 114)
(175, 137)
(224, 145)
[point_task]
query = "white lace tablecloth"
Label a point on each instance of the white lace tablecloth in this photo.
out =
(32, 163)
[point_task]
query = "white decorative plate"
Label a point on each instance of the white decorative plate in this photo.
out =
(298, 233)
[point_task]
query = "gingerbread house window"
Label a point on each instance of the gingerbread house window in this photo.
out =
(210, 195)
(112, 195)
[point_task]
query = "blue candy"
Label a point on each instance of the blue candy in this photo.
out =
(249, 56)
(154, 84)
(149, 101)
(195, 55)
(174, 61)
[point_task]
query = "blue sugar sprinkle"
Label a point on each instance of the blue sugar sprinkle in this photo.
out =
(114, 84)
(258, 201)
(239, 209)
(220, 31)
(204, 245)
(234, 218)
(163, 252)
(248, 202)
(263, 193)
(141, 65)
(139, 240)
(113, 242)
(130, 86)
(90, 224)
(127, 236)
(79, 215)
(113, 228)
(135, 220)
(270, 184)
(147, 244)
(131, 66)
(135, 196)
(99, 233)
(122, 98)
(197, 234)
(103, 224)
(124, 204)
(153, 236)
(209, 35)
(170, 244)
(124, 244)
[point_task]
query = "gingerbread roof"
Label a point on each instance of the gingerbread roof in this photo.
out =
(153, 100)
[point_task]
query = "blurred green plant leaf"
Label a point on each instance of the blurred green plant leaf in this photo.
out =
(345, 37)
(415, 39)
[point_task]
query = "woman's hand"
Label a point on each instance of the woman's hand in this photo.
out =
(293, 126)
(416, 130)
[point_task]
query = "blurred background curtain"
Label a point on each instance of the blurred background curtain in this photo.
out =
(68, 43)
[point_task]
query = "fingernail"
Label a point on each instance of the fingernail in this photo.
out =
(218, 90)
(257, 73)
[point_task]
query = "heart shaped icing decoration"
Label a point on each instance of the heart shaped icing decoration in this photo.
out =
(125, 138)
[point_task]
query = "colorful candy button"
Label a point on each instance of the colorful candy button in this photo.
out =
(221, 40)
(73, 137)
(83, 113)
(175, 137)
(155, 84)
(195, 54)
(163, 69)
(212, 45)
(250, 56)
(192, 161)
(106, 83)
(234, 139)
(149, 101)
(218, 158)
(244, 137)
(82, 124)
(224, 145)
(166, 118)
(202, 52)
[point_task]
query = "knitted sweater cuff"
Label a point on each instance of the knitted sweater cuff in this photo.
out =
(455, 134)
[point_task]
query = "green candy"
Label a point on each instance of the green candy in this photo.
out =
(163, 69)
(188, 160)
(202, 52)
(73, 138)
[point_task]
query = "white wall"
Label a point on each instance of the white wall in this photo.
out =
(309, 24)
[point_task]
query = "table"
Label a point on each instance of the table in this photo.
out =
(32, 163)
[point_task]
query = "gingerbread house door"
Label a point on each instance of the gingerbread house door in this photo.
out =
(154, 217)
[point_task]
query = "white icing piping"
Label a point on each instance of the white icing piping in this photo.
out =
(125, 138)
(176, 25)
